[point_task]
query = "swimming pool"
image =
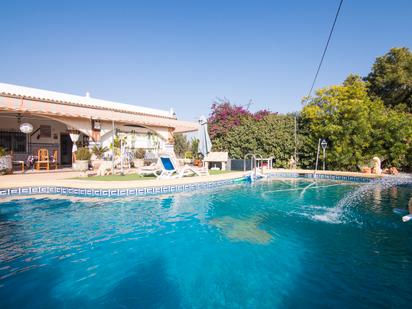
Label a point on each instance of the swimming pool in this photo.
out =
(279, 243)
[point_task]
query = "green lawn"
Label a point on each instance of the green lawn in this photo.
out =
(127, 177)
(211, 172)
(130, 177)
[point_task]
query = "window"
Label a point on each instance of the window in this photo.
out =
(13, 141)
(45, 131)
(96, 126)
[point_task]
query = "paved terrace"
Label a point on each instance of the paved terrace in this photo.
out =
(66, 179)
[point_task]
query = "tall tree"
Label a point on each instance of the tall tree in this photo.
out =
(194, 148)
(181, 144)
(357, 127)
(391, 78)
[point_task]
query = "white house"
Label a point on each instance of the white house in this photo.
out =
(58, 119)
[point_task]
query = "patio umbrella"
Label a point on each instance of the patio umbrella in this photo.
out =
(205, 145)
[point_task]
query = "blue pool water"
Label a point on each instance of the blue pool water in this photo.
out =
(266, 245)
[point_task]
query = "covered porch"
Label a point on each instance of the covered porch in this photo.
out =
(47, 134)
(58, 124)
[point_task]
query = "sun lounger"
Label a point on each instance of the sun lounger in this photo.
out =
(199, 171)
(170, 169)
(153, 169)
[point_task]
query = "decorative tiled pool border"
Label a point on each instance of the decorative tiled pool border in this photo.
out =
(123, 192)
(320, 176)
(156, 190)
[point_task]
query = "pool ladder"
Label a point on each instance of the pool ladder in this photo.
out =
(253, 165)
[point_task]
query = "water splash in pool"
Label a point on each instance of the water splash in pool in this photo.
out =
(359, 194)
(307, 187)
(374, 188)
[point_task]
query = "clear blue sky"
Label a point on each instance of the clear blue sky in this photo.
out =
(183, 54)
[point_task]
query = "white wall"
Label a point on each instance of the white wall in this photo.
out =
(137, 137)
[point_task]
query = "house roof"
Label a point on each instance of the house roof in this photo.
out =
(25, 99)
(60, 97)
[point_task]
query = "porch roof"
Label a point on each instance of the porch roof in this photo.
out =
(48, 103)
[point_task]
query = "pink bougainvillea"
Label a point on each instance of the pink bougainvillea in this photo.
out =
(225, 116)
(259, 115)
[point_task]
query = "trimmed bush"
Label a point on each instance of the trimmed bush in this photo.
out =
(83, 154)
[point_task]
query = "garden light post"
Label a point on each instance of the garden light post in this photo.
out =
(317, 157)
(324, 144)
(113, 136)
(121, 157)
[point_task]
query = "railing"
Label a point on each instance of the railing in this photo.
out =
(253, 161)
(253, 166)
(261, 160)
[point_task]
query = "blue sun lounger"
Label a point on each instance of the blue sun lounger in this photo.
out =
(171, 170)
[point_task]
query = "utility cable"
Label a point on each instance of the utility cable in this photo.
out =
(326, 48)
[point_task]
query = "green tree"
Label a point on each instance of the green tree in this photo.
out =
(306, 149)
(194, 148)
(181, 144)
(391, 78)
(356, 126)
(392, 136)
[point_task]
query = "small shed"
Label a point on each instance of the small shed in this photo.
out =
(216, 160)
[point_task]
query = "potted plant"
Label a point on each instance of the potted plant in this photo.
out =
(6, 165)
(83, 156)
(138, 160)
(188, 157)
(98, 152)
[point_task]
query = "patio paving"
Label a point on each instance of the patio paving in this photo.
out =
(66, 178)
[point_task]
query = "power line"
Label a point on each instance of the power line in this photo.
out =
(326, 48)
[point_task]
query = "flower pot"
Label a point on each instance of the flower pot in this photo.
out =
(97, 163)
(6, 165)
(366, 170)
(81, 165)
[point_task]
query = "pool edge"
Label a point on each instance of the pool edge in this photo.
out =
(65, 190)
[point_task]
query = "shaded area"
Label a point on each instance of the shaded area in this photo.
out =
(126, 177)
(149, 286)
(31, 289)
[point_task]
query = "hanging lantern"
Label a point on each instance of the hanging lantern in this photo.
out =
(26, 127)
